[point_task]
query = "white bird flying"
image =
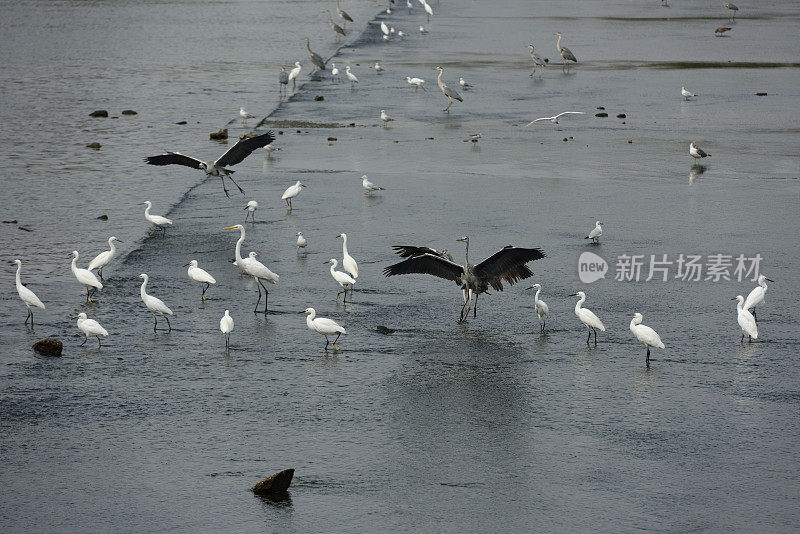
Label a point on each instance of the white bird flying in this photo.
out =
(226, 326)
(369, 186)
(348, 263)
(86, 277)
(200, 275)
(385, 118)
(90, 327)
(596, 232)
(342, 278)
(154, 304)
(697, 153)
(645, 334)
(291, 192)
(416, 82)
(322, 325)
(747, 322)
(234, 155)
(157, 220)
(587, 317)
(302, 242)
(757, 295)
(104, 258)
(539, 305)
(554, 118)
(251, 208)
(27, 296)
(686, 94)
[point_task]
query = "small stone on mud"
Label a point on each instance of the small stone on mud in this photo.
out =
(331, 139)
(622, 116)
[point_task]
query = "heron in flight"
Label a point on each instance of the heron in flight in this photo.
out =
(507, 264)
(566, 53)
(447, 91)
(554, 118)
(234, 155)
(316, 59)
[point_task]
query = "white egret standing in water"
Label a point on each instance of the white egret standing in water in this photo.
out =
(348, 263)
(90, 327)
(27, 296)
(291, 192)
(342, 278)
(757, 295)
(104, 258)
(585, 315)
(200, 275)
(746, 320)
(322, 325)
(226, 326)
(86, 277)
(154, 304)
(251, 208)
(645, 334)
(254, 268)
(539, 305)
(157, 220)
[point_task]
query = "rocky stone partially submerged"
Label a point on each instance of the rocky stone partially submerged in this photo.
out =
(99, 113)
(221, 134)
(277, 483)
(49, 347)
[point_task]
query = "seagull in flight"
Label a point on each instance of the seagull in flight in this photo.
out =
(234, 155)
(554, 119)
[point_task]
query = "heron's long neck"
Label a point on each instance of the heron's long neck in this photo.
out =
(142, 291)
(333, 267)
(239, 248)
(147, 211)
(72, 265)
(466, 252)
(558, 44)
(308, 45)
(579, 303)
(344, 246)
(112, 245)
(439, 80)
(536, 296)
(19, 282)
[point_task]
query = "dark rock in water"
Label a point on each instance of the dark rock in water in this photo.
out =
(352, 124)
(277, 483)
(103, 217)
(761, 94)
(621, 116)
(630, 141)
(601, 114)
(99, 113)
(248, 135)
(280, 132)
(331, 139)
(547, 60)
(319, 98)
(94, 145)
(600, 107)
(384, 330)
(24, 229)
(14, 221)
(181, 123)
(565, 139)
(221, 134)
(49, 347)
(129, 112)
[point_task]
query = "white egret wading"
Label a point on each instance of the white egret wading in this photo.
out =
(90, 327)
(645, 334)
(27, 296)
(294, 73)
(757, 295)
(342, 278)
(156, 220)
(746, 320)
(350, 76)
(154, 304)
(539, 305)
(348, 263)
(251, 208)
(322, 325)
(226, 326)
(200, 275)
(416, 82)
(593, 324)
(291, 192)
(104, 258)
(86, 277)
(254, 268)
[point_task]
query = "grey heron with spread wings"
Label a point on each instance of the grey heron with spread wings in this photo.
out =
(234, 155)
(507, 264)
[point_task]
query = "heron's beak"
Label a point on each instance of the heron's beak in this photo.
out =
(768, 280)
(733, 298)
(302, 185)
(575, 295)
(230, 228)
(527, 288)
(187, 264)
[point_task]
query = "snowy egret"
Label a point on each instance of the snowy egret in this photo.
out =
(732, 8)
(294, 73)
(245, 115)
(334, 72)
(385, 118)
(554, 118)
(369, 186)
(283, 80)
(226, 325)
(596, 232)
(538, 62)
(251, 208)
(154, 304)
(350, 76)
(645, 334)
(302, 242)
(200, 275)
(322, 325)
(291, 192)
(416, 82)
(428, 10)
(697, 153)
(566, 53)
(90, 327)
(343, 14)
(747, 322)
(104, 258)
(539, 305)
(757, 295)
(587, 317)
(342, 278)
(157, 220)
(446, 90)
(463, 83)
(348, 263)
(27, 296)
(378, 67)
(687, 94)
(86, 277)
(316, 59)
(254, 268)
(505, 265)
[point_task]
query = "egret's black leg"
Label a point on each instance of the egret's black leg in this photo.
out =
(266, 296)
(88, 298)
(742, 340)
(100, 272)
(326, 342)
(98, 342)
(227, 340)
(475, 309)
(84, 341)
(203, 297)
(169, 325)
(155, 318)
(589, 336)
(755, 317)
(647, 360)
(28, 316)
(335, 340)
(749, 338)
(595, 336)
(259, 298)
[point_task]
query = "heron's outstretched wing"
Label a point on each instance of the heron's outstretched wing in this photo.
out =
(244, 148)
(427, 264)
(507, 264)
(407, 251)
(173, 158)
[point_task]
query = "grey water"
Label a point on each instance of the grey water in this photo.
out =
(438, 426)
